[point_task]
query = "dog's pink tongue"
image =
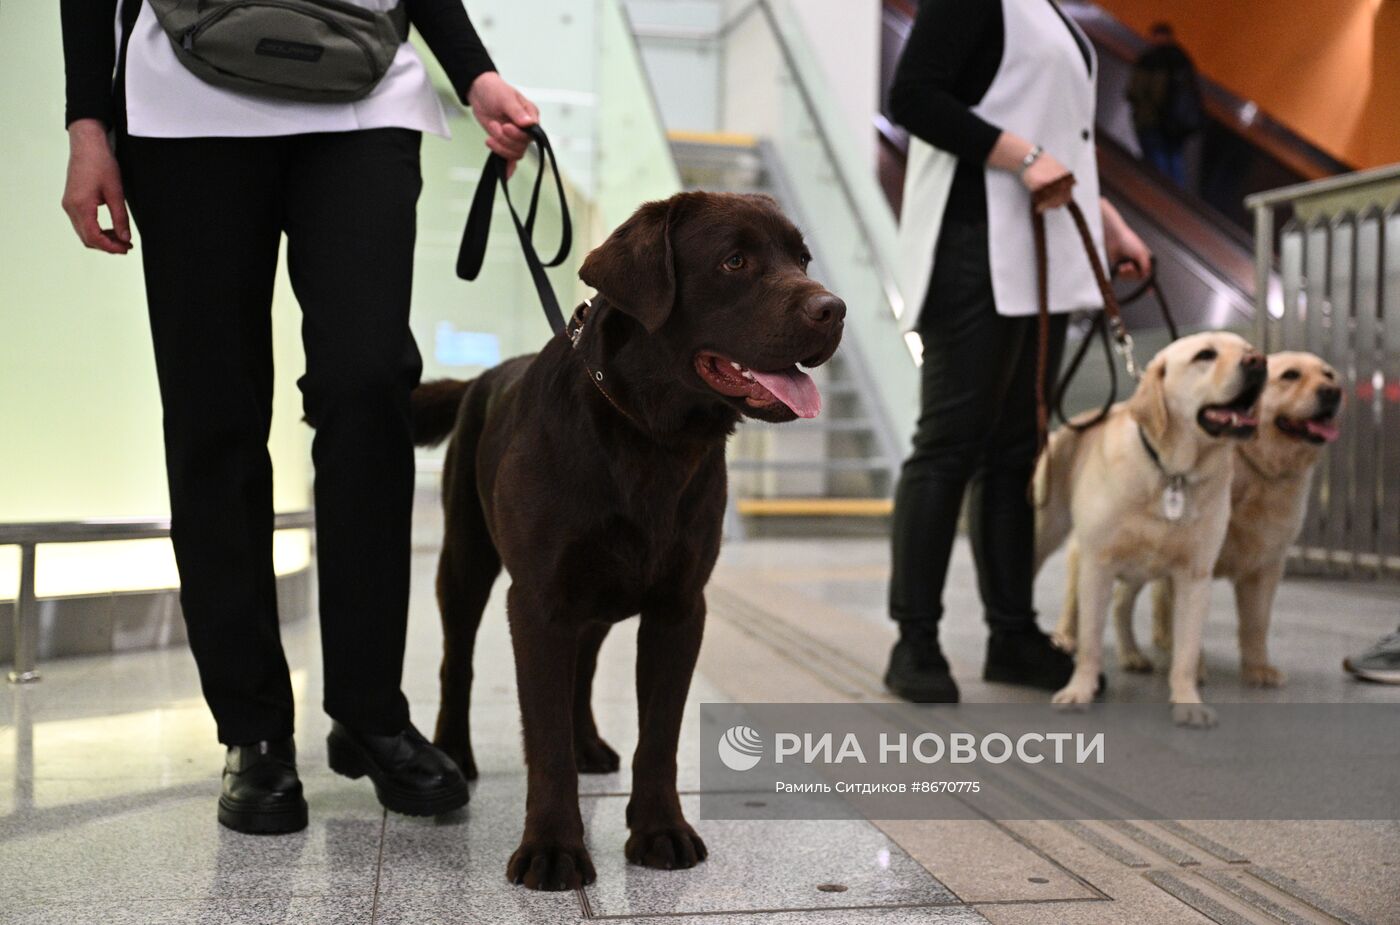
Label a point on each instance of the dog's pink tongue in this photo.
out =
(1323, 430)
(793, 388)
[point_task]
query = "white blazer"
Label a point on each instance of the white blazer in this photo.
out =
(1042, 92)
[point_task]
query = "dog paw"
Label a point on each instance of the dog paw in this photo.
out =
(1263, 676)
(674, 847)
(1135, 662)
(540, 865)
(594, 756)
(1073, 696)
(1195, 715)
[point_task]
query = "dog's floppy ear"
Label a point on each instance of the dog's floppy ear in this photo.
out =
(1148, 406)
(634, 268)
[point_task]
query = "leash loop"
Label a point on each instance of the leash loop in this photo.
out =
(1123, 341)
(1098, 327)
(1112, 310)
(472, 253)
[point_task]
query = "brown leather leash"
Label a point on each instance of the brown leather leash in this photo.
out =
(1123, 341)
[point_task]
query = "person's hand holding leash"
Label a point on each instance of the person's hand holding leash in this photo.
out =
(1127, 254)
(505, 113)
(95, 180)
(1042, 178)
(1039, 170)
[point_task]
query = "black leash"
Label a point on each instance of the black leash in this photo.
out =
(1098, 328)
(478, 229)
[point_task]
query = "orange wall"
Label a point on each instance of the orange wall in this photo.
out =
(1329, 69)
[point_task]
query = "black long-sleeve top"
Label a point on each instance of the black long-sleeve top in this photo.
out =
(948, 64)
(90, 55)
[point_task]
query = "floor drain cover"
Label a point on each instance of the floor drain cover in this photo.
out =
(832, 887)
(1038, 879)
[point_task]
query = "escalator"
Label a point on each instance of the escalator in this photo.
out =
(1201, 239)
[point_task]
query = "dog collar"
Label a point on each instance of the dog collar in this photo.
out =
(1174, 494)
(574, 330)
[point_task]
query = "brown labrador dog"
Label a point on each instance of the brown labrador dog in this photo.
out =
(594, 471)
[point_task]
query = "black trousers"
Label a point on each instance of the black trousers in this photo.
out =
(212, 212)
(976, 426)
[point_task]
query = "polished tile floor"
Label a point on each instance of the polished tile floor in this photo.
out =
(108, 771)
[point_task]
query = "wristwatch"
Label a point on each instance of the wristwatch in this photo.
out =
(1031, 156)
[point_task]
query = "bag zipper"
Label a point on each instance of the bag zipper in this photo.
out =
(187, 40)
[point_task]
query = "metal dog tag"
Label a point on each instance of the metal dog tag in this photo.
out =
(1174, 499)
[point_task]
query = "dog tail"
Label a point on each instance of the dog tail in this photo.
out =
(435, 407)
(1050, 493)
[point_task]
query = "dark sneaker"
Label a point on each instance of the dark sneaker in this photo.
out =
(1028, 658)
(919, 673)
(410, 774)
(261, 793)
(1380, 663)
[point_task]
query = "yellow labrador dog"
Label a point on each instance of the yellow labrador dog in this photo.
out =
(1268, 500)
(1146, 495)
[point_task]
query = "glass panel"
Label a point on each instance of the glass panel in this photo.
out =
(78, 402)
(595, 104)
(77, 386)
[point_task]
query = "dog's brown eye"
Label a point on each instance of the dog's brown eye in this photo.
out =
(734, 262)
(1291, 374)
(1206, 354)
(805, 260)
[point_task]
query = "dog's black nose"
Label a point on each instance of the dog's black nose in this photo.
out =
(1329, 397)
(1255, 366)
(824, 312)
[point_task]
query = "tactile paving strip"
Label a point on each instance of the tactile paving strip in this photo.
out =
(1214, 892)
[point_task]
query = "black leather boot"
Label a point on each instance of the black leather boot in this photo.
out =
(918, 671)
(410, 775)
(1027, 657)
(261, 792)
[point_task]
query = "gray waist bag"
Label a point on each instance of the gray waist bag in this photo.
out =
(319, 51)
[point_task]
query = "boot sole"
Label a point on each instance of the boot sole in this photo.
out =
(922, 695)
(262, 821)
(349, 760)
(998, 674)
(1378, 677)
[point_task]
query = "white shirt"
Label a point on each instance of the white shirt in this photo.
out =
(165, 100)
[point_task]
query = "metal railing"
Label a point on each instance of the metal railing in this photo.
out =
(29, 536)
(1339, 262)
